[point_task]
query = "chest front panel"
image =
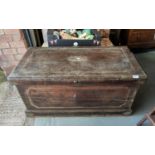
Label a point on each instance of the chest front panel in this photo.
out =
(78, 96)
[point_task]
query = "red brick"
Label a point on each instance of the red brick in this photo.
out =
(21, 50)
(1, 52)
(12, 31)
(6, 38)
(16, 44)
(17, 37)
(18, 56)
(4, 45)
(7, 60)
(9, 51)
(11, 58)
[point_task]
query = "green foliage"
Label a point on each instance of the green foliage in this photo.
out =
(2, 76)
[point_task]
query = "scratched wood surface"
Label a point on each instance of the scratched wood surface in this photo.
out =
(83, 64)
(71, 81)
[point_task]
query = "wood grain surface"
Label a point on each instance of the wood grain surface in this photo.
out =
(78, 81)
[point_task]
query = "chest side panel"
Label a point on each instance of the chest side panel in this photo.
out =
(141, 36)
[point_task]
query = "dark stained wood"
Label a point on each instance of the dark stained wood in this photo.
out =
(77, 64)
(78, 80)
(138, 38)
(148, 117)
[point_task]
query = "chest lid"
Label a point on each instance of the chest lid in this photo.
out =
(77, 64)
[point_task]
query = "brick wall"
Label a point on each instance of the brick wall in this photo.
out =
(12, 48)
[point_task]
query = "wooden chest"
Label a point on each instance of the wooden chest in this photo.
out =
(138, 38)
(78, 81)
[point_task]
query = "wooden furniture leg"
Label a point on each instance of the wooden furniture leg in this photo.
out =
(148, 117)
(140, 123)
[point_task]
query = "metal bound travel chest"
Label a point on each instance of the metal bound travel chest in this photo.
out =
(78, 81)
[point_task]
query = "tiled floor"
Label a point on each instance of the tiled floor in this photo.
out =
(12, 108)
